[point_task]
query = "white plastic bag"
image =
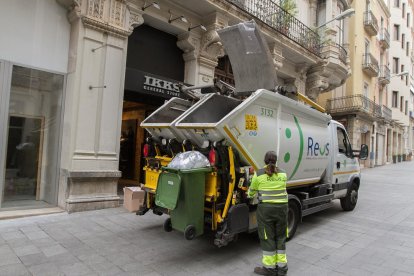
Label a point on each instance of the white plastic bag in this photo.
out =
(189, 160)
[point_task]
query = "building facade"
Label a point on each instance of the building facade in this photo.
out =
(400, 92)
(77, 77)
(362, 103)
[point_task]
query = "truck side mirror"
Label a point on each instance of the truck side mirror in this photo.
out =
(363, 153)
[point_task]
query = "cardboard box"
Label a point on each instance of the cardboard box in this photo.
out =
(133, 198)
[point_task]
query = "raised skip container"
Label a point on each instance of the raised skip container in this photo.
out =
(266, 121)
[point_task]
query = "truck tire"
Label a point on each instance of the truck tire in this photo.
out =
(349, 202)
(293, 218)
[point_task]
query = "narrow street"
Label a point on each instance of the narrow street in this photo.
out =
(377, 238)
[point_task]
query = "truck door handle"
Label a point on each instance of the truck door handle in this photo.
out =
(338, 165)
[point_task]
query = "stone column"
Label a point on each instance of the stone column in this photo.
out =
(93, 103)
(313, 12)
(189, 42)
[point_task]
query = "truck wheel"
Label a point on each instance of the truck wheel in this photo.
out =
(349, 202)
(293, 218)
(189, 232)
(167, 225)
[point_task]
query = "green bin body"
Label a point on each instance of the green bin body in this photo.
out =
(189, 197)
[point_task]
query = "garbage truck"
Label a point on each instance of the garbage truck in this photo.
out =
(234, 128)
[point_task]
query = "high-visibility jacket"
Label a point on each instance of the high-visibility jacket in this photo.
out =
(270, 189)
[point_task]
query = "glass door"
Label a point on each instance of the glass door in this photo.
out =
(30, 143)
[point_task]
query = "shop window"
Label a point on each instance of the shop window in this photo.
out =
(31, 159)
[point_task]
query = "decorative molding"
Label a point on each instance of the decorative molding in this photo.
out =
(117, 14)
(107, 16)
(276, 52)
(135, 20)
(75, 11)
(189, 44)
(211, 46)
(302, 69)
(315, 81)
(105, 28)
(96, 9)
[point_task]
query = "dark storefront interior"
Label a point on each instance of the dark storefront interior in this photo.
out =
(154, 53)
(151, 54)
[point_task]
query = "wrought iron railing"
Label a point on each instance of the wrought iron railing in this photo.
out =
(369, 61)
(353, 103)
(283, 22)
(385, 36)
(377, 110)
(370, 20)
(343, 54)
(385, 73)
(386, 113)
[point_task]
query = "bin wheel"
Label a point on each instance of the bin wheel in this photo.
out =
(189, 232)
(168, 225)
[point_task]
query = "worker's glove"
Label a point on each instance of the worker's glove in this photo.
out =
(254, 200)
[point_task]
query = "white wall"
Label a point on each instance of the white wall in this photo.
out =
(397, 51)
(34, 33)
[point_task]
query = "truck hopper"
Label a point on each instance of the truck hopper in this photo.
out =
(266, 121)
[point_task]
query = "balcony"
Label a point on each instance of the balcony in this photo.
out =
(283, 22)
(386, 113)
(353, 104)
(370, 65)
(385, 75)
(384, 39)
(343, 54)
(370, 23)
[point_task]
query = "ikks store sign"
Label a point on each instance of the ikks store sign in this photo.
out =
(143, 82)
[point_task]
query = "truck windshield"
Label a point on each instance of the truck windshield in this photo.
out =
(344, 146)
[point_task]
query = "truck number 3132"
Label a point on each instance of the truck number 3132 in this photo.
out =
(266, 112)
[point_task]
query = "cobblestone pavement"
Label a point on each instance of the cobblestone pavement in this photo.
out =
(377, 238)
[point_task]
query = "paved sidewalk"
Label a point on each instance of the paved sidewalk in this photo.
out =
(377, 238)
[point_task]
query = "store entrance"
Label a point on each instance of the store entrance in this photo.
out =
(131, 143)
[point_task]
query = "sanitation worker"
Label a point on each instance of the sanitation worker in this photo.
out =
(270, 185)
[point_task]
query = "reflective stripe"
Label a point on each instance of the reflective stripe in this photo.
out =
(273, 197)
(281, 251)
(282, 264)
(273, 192)
(281, 259)
(265, 236)
(269, 261)
(269, 253)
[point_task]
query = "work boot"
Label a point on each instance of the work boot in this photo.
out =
(265, 271)
(281, 271)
